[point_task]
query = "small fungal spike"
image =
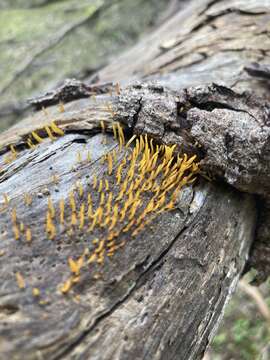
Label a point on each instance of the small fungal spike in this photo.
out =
(20, 280)
(137, 186)
(36, 292)
(28, 235)
(61, 107)
(56, 129)
(66, 286)
(36, 137)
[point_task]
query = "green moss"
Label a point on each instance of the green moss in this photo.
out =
(244, 333)
(26, 33)
(31, 33)
(220, 339)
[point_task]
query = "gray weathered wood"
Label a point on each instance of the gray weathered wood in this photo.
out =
(155, 288)
(162, 295)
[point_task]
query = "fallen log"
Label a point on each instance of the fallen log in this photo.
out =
(151, 279)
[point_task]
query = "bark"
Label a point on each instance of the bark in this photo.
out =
(162, 295)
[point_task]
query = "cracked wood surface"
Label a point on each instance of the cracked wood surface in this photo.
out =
(215, 42)
(163, 294)
(186, 264)
(228, 131)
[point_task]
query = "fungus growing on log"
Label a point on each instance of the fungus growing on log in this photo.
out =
(145, 182)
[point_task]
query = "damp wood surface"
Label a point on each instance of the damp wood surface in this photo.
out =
(163, 292)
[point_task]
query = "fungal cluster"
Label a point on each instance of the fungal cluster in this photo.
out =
(51, 131)
(140, 181)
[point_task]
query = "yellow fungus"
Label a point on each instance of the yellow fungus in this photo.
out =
(123, 212)
(14, 215)
(114, 155)
(130, 140)
(82, 215)
(14, 152)
(37, 137)
(103, 159)
(106, 185)
(95, 241)
(73, 220)
(95, 182)
(109, 204)
(147, 183)
(62, 211)
(6, 199)
(134, 209)
(100, 185)
(56, 129)
(75, 279)
(110, 164)
(75, 266)
(88, 157)
(79, 156)
(114, 217)
(110, 109)
(20, 280)
(102, 124)
(28, 234)
(55, 179)
(51, 207)
(100, 247)
(119, 173)
(36, 292)
(121, 133)
(49, 133)
(102, 199)
(99, 214)
(80, 189)
(50, 228)
(16, 232)
(72, 202)
(93, 224)
(92, 258)
(30, 144)
(110, 244)
(66, 286)
(21, 226)
(27, 199)
(90, 207)
(61, 108)
(114, 131)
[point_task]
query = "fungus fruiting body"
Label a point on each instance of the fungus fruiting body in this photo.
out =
(145, 172)
(20, 280)
(136, 184)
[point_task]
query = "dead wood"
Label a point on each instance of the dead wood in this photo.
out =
(162, 294)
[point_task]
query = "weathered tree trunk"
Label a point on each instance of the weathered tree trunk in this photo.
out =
(162, 293)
